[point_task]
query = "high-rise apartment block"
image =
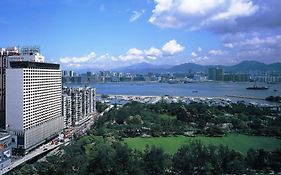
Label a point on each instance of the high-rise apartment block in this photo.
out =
(215, 74)
(78, 104)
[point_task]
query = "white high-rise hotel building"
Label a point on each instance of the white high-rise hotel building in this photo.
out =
(33, 100)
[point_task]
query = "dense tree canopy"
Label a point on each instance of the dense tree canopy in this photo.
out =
(102, 152)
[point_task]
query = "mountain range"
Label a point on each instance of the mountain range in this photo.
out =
(243, 67)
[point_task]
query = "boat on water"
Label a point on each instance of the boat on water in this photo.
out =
(255, 87)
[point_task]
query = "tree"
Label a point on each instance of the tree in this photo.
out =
(100, 155)
(27, 169)
(126, 162)
(182, 114)
(192, 158)
(155, 161)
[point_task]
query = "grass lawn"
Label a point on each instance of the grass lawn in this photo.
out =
(234, 141)
(167, 117)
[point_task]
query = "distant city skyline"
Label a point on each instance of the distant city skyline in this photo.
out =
(96, 34)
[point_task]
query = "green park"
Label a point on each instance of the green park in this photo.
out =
(239, 142)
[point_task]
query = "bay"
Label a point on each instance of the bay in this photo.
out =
(204, 89)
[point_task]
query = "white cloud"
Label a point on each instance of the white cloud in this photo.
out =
(136, 15)
(193, 55)
(204, 60)
(68, 60)
(132, 54)
(261, 47)
(106, 57)
(199, 49)
(271, 40)
(229, 45)
(196, 14)
(172, 47)
(135, 54)
(216, 52)
(153, 53)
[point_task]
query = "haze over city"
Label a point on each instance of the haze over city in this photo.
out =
(96, 34)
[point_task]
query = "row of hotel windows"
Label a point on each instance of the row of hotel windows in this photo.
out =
(41, 122)
(35, 114)
(40, 70)
(42, 85)
(34, 117)
(27, 89)
(43, 73)
(35, 101)
(27, 113)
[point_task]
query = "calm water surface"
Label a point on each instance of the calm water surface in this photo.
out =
(206, 89)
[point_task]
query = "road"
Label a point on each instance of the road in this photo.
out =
(49, 147)
(29, 156)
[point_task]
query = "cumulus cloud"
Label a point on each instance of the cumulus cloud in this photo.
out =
(216, 52)
(132, 56)
(69, 60)
(172, 47)
(193, 55)
(135, 54)
(264, 48)
(136, 15)
(153, 53)
(203, 60)
(228, 45)
(222, 16)
(199, 49)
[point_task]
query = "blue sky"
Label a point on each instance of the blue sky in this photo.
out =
(105, 34)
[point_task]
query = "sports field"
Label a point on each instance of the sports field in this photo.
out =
(237, 142)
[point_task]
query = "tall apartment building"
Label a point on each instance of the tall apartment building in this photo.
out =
(66, 110)
(215, 74)
(33, 100)
(78, 104)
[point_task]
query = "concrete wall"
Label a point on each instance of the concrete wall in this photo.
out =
(14, 100)
(38, 134)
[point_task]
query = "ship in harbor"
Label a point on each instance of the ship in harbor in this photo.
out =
(255, 87)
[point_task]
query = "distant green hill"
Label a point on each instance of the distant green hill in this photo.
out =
(253, 66)
(243, 67)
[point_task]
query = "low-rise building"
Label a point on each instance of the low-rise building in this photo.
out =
(5, 150)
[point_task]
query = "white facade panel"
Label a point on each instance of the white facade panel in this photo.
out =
(14, 102)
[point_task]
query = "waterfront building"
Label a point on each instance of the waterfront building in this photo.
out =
(65, 73)
(71, 73)
(79, 104)
(237, 77)
(33, 102)
(267, 78)
(215, 74)
(5, 150)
